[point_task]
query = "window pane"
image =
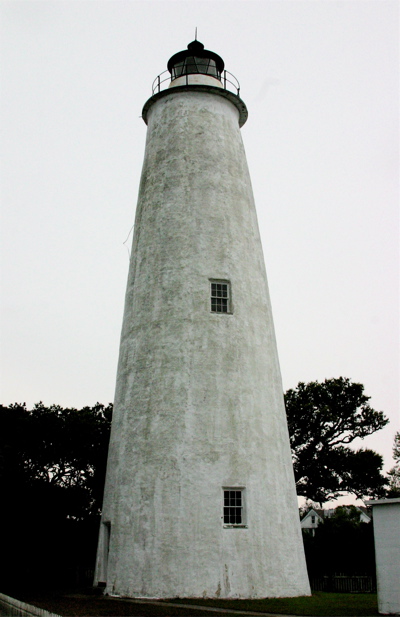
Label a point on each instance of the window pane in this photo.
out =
(233, 507)
(202, 64)
(190, 65)
(212, 68)
(220, 297)
(178, 69)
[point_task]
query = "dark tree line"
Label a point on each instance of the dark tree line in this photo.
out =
(61, 453)
(52, 469)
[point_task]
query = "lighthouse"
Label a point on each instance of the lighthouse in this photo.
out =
(200, 497)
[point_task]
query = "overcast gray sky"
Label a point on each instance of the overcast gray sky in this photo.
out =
(320, 79)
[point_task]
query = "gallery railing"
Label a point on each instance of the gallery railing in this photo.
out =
(228, 81)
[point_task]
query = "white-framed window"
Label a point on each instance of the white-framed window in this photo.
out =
(220, 296)
(234, 513)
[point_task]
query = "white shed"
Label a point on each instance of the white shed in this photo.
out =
(386, 516)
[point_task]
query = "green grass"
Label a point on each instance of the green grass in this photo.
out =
(320, 603)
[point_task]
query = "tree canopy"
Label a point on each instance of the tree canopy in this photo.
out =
(323, 419)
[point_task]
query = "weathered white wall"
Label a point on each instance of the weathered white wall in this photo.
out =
(199, 403)
(386, 517)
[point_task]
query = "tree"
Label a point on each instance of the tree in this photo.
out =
(323, 419)
(52, 470)
(394, 473)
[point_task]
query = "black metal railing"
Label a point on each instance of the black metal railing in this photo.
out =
(228, 81)
(341, 583)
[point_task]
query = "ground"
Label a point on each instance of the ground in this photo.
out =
(89, 605)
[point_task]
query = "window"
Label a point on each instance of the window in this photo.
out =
(312, 519)
(233, 507)
(193, 64)
(220, 297)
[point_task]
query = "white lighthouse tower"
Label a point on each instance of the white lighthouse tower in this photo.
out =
(200, 497)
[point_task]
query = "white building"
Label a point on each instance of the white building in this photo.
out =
(311, 520)
(200, 497)
(386, 513)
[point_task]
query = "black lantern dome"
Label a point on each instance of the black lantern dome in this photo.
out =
(195, 59)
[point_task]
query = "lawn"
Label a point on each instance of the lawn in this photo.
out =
(320, 604)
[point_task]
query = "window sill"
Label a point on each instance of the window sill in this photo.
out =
(235, 526)
(221, 312)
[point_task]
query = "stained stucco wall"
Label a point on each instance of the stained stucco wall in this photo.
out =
(199, 403)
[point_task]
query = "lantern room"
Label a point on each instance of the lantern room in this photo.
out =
(195, 60)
